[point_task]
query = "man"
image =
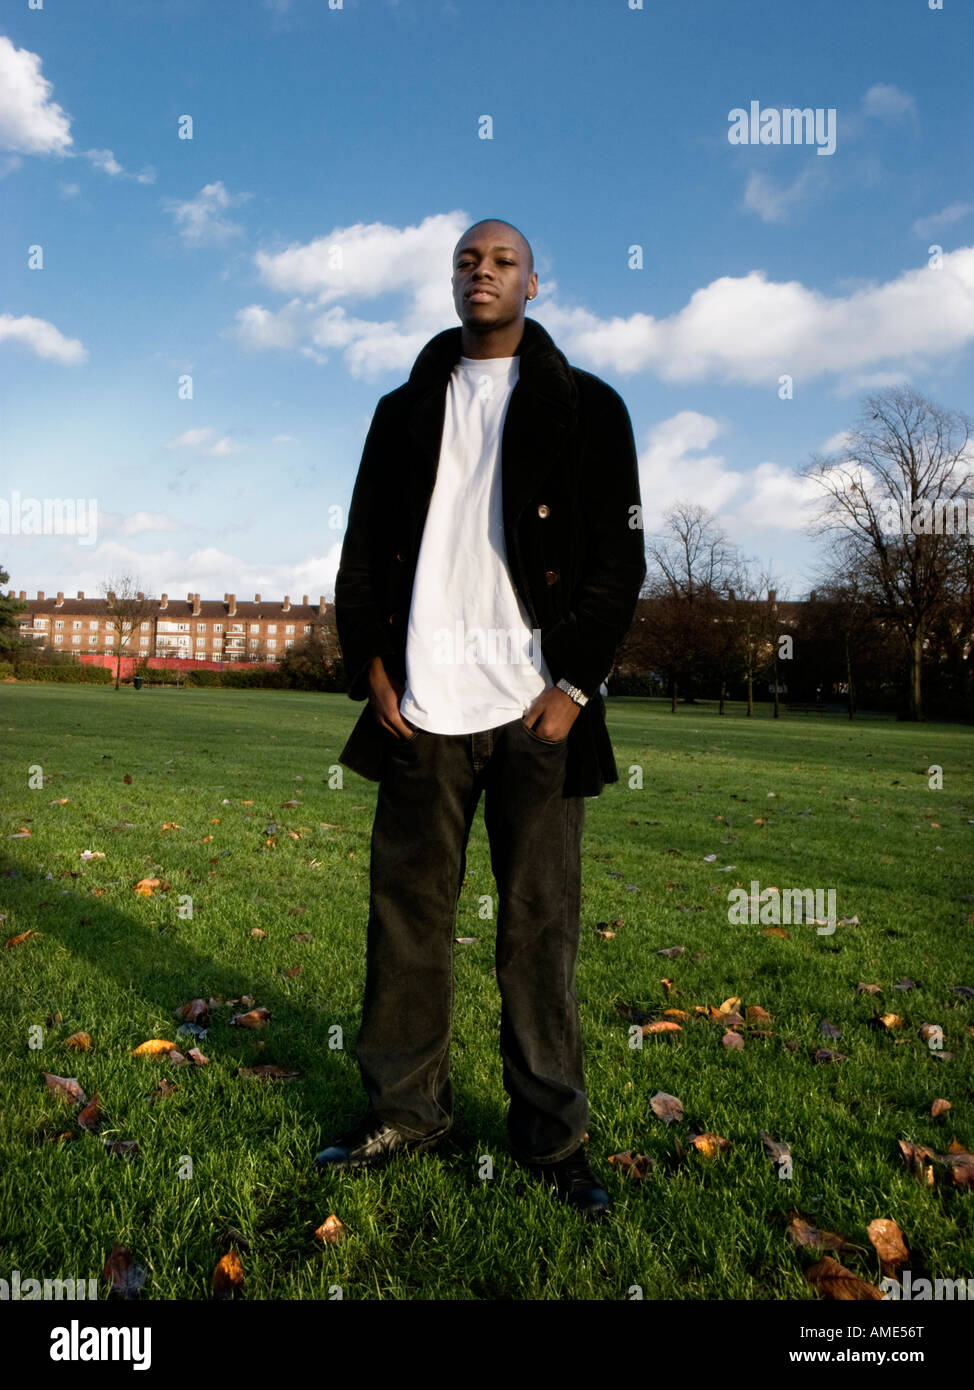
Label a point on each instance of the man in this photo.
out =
(497, 499)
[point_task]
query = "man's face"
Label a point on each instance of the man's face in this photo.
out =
(491, 277)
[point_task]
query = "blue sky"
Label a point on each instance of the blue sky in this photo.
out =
(359, 128)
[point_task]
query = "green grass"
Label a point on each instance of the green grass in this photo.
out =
(850, 811)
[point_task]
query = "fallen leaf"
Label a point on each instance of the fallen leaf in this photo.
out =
(862, 988)
(147, 886)
(755, 1014)
(904, 982)
(732, 1041)
(21, 938)
(661, 1026)
(825, 1054)
(301, 936)
(81, 1042)
(887, 1240)
(930, 1030)
(228, 1274)
(121, 1271)
(256, 931)
(269, 1071)
(256, 1018)
(194, 1011)
(775, 931)
(197, 1058)
(676, 1013)
(829, 1030)
(833, 1281)
(666, 1107)
(293, 972)
(89, 1117)
(636, 1166)
(729, 1006)
(776, 1151)
(121, 1148)
(939, 1107)
(331, 1231)
(165, 1088)
(919, 1159)
(170, 825)
(153, 1048)
(66, 1087)
(671, 952)
(709, 1144)
(891, 1021)
(806, 1236)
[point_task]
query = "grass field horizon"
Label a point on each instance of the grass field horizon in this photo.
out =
(805, 801)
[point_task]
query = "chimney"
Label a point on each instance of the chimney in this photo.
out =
(81, 593)
(812, 596)
(110, 596)
(772, 595)
(140, 596)
(256, 598)
(286, 605)
(22, 595)
(304, 600)
(321, 604)
(40, 596)
(196, 605)
(189, 598)
(163, 601)
(60, 599)
(232, 605)
(730, 595)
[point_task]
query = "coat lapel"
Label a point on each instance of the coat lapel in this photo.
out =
(536, 427)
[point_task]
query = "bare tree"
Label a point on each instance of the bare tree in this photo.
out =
(894, 497)
(127, 608)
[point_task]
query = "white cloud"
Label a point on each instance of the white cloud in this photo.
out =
(888, 102)
(105, 161)
(30, 122)
(43, 339)
(70, 190)
(930, 226)
(199, 441)
(201, 221)
(773, 203)
(139, 522)
(284, 439)
(836, 443)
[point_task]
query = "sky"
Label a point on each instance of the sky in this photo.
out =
(194, 332)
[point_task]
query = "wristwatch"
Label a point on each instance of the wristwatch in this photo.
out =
(573, 691)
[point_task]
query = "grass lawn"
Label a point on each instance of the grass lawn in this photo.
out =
(808, 801)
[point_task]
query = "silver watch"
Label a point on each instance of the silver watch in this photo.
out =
(573, 691)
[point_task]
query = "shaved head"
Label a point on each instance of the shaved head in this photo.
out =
(520, 239)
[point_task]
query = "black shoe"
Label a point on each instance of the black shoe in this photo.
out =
(370, 1144)
(575, 1184)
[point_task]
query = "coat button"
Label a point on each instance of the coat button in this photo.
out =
(544, 509)
(400, 556)
(551, 576)
(393, 617)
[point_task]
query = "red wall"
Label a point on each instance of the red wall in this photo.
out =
(166, 663)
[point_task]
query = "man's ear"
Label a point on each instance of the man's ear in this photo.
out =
(532, 286)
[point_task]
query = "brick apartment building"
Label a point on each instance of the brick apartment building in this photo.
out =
(187, 629)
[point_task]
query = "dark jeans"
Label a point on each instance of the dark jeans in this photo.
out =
(428, 794)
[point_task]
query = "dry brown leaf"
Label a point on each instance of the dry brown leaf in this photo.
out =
(165, 1088)
(755, 1014)
(177, 1058)
(891, 1021)
(661, 1026)
(776, 1151)
(90, 1116)
(919, 1159)
(21, 937)
(676, 1013)
(194, 1011)
(331, 1231)
(805, 1235)
(67, 1087)
(862, 988)
(122, 1273)
(709, 1144)
(833, 1281)
(197, 1058)
(889, 1244)
(147, 886)
(729, 1006)
(775, 931)
(153, 1048)
(228, 1275)
(636, 1166)
(122, 1148)
(939, 1107)
(293, 972)
(666, 1107)
(825, 1054)
(81, 1042)
(256, 1018)
(256, 932)
(931, 1030)
(732, 1041)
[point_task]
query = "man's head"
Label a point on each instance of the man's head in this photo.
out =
(493, 276)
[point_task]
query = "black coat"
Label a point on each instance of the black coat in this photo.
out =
(572, 526)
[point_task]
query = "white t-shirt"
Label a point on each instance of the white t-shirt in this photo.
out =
(471, 660)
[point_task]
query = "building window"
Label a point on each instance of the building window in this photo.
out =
(58, 623)
(59, 638)
(76, 641)
(144, 641)
(255, 627)
(109, 639)
(289, 642)
(201, 641)
(93, 625)
(145, 627)
(272, 627)
(289, 627)
(76, 625)
(272, 641)
(92, 641)
(40, 622)
(217, 627)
